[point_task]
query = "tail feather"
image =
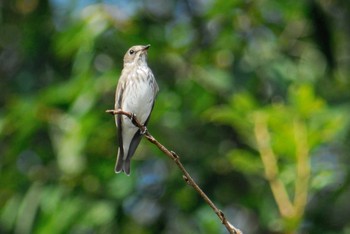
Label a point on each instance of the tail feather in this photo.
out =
(120, 162)
(126, 166)
(122, 165)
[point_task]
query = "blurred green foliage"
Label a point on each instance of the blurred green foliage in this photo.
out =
(240, 81)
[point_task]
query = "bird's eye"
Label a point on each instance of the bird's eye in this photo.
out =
(131, 51)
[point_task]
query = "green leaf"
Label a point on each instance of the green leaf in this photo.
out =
(245, 161)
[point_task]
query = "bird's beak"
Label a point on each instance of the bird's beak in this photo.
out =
(146, 47)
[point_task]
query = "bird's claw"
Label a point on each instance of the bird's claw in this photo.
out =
(133, 119)
(143, 130)
(132, 116)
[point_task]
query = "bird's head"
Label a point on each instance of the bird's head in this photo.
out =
(136, 54)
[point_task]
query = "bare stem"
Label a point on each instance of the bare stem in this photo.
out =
(269, 161)
(303, 168)
(187, 177)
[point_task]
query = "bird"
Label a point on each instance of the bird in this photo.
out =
(136, 92)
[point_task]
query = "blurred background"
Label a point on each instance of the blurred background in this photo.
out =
(254, 97)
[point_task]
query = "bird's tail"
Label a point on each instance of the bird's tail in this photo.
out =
(122, 164)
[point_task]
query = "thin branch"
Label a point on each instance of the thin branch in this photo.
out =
(187, 177)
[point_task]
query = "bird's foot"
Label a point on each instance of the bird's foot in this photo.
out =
(143, 130)
(133, 119)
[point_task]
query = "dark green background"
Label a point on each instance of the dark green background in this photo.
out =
(221, 66)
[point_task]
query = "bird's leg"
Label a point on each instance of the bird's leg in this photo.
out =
(143, 128)
(134, 120)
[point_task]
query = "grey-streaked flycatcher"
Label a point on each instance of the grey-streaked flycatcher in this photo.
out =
(136, 93)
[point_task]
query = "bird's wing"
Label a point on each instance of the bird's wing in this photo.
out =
(118, 119)
(155, 86)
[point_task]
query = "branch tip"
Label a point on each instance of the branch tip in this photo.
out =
(110, 112)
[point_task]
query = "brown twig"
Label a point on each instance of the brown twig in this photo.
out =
(187, 177)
